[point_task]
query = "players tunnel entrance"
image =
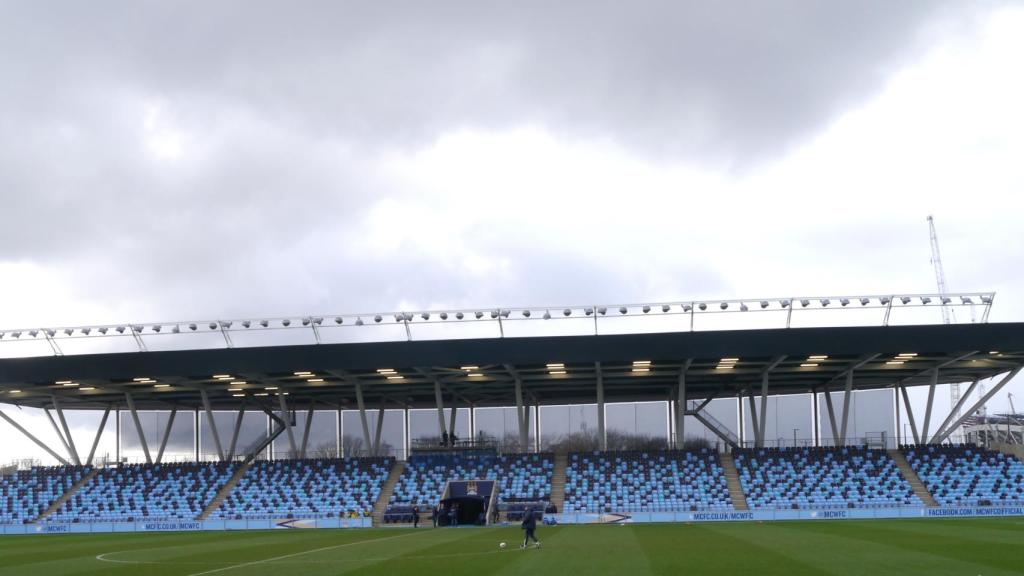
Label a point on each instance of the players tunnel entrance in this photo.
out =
(464, 510)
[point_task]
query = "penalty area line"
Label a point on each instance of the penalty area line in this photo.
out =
(294, 554)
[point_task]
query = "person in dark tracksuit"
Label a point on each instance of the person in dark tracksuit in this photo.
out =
(529, 525)
(415, 516)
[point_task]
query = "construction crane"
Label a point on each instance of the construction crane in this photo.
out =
(948, 315)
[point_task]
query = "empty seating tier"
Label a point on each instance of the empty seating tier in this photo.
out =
(177, 491)
(847, 477)
(310, 488)
(26, 494)
(966, 475)
(666, 481)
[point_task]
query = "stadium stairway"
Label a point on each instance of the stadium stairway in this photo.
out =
(67, 495)
(732, 479)
(912, 478)
(381, 505)
(558, 481)
(224, 491)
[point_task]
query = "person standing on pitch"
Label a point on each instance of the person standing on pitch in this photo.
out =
(530, 524)
(415, 516)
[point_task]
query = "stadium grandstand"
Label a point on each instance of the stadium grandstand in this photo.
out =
(280, 479)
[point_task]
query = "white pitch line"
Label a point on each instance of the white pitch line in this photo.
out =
(254, 562)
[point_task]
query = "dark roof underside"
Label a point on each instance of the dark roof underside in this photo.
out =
(961, 352)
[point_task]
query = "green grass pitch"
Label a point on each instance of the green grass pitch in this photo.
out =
(969, 547)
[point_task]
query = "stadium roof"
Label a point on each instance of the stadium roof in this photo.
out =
(553, 369)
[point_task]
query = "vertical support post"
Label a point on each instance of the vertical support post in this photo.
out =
(441, 430)
(681, 409)
(831, 415)
(910, 414)
(602, 434)
(472, 422)
(212, 424)
(117, 434)
(362, 416)
(754, 426)
(99, 434)
(526, 421)
(816, 415)
(138, 426)
(846, 405)
(899, 433)
(337, 440)
(536, 425)
(67, 432)
(305, 431)
(380, 426)
(195, 434)
(455, 411)
(167, 434)
(234, 433)
(523, 439)
(287, 424)
(928, 406)
(763, 417)
(407, 436)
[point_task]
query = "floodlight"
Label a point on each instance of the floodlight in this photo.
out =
(443, 315)
(764, 303)
(864, 301)
(50, 333)
(622, 310)
(547, 315)
(398, 317)
(191, 327)
(494, 314)
(844, 301)
(338, 320)
(305, 321)
(213, 325)
(702, 306)
(86, 331)
(567, 312)
(723, 305)
(884, 300)
(687, 307)
(905, 299)
(359, 321)
(377, 318)
(946, 300)
(459, 315)
(589, 311)
(805, 303)
(175, 330)
(246, 323)
(318, 320)
(665, 307)
(784, 303)
(2, 334)
(156, 328)
(825, 301)
(926, 300)
(69, 331)
(103, 330)
(646, 309)
(478, 314)
(425, 315)
(985, 299)
(504, 313)
(33, 333)
(264, 323)
(227, 324)
(966, 300)
(743, 307)
(602, 310)
(526, 313)
(408, 317)
(120, 329)
(138, 328)
(286, 322)
(16, 334)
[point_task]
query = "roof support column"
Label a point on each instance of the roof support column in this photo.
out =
(234, 433)
(846, 405)
(602, 435)
(523, 437)
(816, 416)
(288, 424)
(831, 416)
(138, 426)
(681, 409)
(956, 409)
(167, 434)
(974, 407)
(99, 433)
(67, 432)
(441, 430)
(526, 424)
(763, 417)
(910, 414)
(928, 406)
(451, 423)
(305, 431)
(362, 416)
(755, 428)
(213, 424)
(380, 427)
(57, 431)
(536, 425)
(33, 438)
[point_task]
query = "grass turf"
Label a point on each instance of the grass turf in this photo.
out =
(934, 547)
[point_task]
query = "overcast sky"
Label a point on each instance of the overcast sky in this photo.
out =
(161, 161)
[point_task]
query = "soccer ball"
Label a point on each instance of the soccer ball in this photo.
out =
(502, 545)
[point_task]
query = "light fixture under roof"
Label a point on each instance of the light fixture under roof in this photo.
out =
(161, 386)
(237, 382)
(725, 367)
(994, 352)
(641, 369)
(235, 389)
(70, 384)
(222, 376)
(809, 365)
(556, 365)
(304, 373)
(141, 379)
(86, 388)
(14, 391)
(396, 377)
(906, 355)
(315, 380)
(641, 362)
(469, 368)
(894, 362)
(475, 375)
(64, 382)
(385, 370)
(729, 360)
(238, 395)
(271, 388)
(556, 372)
(818, 357)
